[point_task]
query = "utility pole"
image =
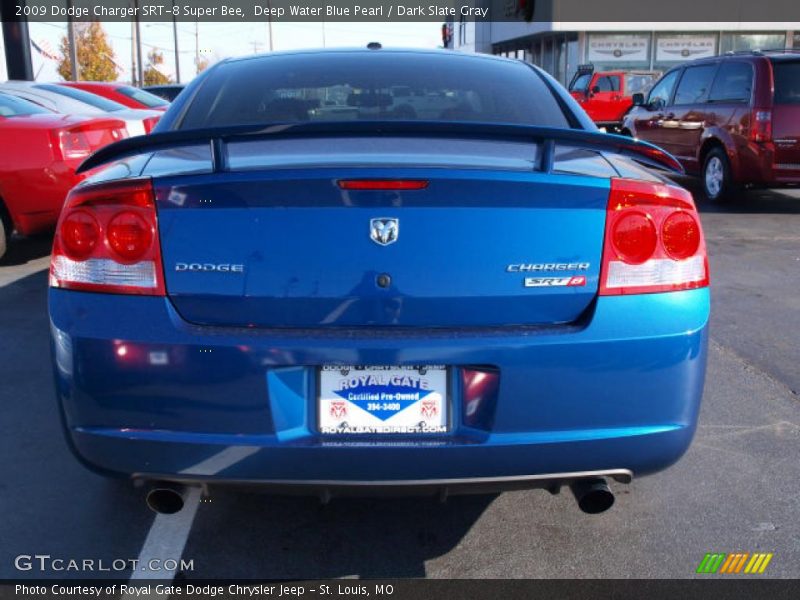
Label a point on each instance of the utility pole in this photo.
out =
(139, 62)
(196, 47)
(269, 23)
(16, 42)
(73, 47)
(133, 53)
(175, 37)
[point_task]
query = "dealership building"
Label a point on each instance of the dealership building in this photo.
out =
(559, 47)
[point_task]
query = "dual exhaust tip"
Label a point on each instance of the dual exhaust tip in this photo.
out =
(592, 495)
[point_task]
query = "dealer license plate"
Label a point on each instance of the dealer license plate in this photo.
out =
(382, 400)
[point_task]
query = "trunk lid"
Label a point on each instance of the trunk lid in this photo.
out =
(280, 244)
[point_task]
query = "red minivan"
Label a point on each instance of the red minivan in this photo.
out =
(733, 119)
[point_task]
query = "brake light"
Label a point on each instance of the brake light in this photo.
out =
(761, 125)
(653, 241)
(383, 184)
(149, 123)
(107, 240)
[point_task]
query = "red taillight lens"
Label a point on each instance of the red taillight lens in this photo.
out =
(653, 240)
(634, 237)
(79, 234)
(680, 234)
(383, 184)
(129, 235)
(107, 240)
(761, 125)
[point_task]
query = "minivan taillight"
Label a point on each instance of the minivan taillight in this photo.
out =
(107, 240)
(653, 240)
(761, 125)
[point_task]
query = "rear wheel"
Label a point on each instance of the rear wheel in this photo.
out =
(716, 176)
(4, 235)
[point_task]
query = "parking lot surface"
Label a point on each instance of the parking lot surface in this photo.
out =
(735, 491)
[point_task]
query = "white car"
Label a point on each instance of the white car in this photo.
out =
(71, 101)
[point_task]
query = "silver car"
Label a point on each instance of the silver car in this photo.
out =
(71, 101)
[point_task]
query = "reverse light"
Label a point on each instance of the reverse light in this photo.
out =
(653, 241)
(107, 240)
(383, 184)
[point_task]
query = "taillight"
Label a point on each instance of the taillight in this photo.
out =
(761, 125)
(107, 240)
(653, 241)
(79, 141)
(149, 123)
(73, 144)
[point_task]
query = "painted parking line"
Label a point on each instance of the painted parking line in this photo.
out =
(168, 534)
(166, 540)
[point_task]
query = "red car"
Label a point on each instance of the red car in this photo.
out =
(126, 95)
(734, 119)
(39, 153)
(606, 96)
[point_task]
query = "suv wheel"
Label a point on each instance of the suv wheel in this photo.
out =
(716, 176)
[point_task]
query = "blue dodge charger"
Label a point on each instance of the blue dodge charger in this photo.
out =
(371, 269)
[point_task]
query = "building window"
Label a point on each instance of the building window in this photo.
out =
(735, 42)
(796, 43)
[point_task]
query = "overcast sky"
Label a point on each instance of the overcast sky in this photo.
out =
(220, 40)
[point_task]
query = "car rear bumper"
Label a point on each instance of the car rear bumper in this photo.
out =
(144, 393)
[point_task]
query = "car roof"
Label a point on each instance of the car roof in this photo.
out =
(108, 84)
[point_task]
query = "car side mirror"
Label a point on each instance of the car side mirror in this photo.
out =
(656, 104)
(638, 99)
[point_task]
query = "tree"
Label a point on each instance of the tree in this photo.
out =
(153, 74)
(96, 60)
(201, 64)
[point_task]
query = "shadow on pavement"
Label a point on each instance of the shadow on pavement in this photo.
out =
(22, 250)
(299, 538)
(52, 504)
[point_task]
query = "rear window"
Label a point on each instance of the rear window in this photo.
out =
(142, 97)
(377, 85)
(14, 107)
(787, 81)
(85, 97)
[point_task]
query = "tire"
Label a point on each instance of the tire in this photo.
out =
(3, 238)
(715, 178)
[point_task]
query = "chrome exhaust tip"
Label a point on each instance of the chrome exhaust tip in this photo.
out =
(593, 495)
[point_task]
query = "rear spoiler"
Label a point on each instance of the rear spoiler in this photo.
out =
(217, 137)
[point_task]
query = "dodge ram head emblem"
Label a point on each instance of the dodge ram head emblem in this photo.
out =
(384, 231)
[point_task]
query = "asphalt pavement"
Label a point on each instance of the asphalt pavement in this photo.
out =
(736, 490)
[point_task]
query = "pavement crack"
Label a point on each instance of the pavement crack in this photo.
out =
(751, 367)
